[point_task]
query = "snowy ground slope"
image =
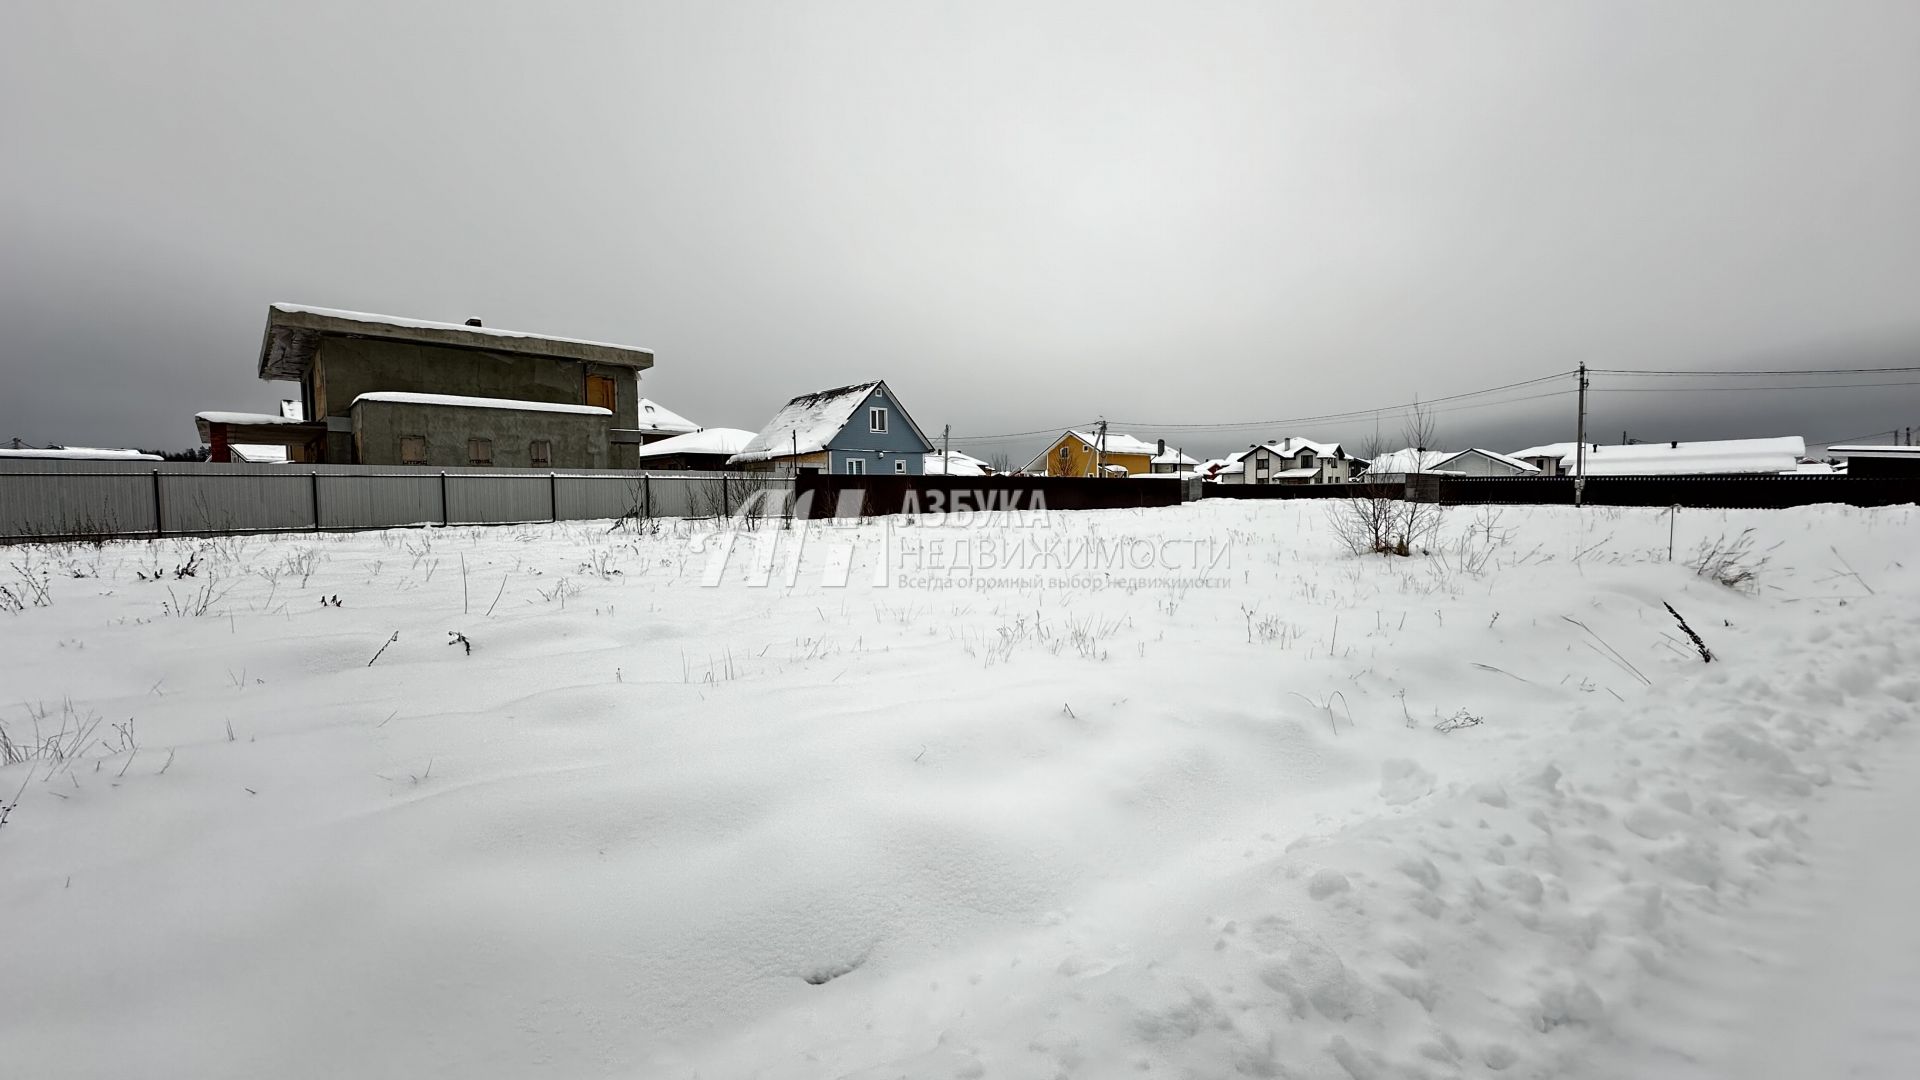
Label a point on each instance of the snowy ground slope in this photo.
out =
(654, 828)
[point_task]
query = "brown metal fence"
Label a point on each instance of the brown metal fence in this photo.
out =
(1730, 491)
(1303, 491)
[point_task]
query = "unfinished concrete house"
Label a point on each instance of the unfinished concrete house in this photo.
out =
(379, 390)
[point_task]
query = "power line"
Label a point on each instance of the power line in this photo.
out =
(1751, 372)
(1361, 414)
(1737, 389)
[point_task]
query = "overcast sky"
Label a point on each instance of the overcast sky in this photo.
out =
(1022, 215)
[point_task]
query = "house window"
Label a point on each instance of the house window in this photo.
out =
(1065, 453)
(479, 451)
(413, 449)
(540, 453)
(877, 420)
(856, 466)
(1306, 461)
(899, 465)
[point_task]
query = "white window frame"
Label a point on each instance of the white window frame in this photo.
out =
(856, 466)
(899, 465)
(877, 419)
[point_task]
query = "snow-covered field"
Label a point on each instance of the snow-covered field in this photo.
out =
(654, 825)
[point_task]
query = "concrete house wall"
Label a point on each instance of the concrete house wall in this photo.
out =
(577, 441)
(345, 368)
(880, 451)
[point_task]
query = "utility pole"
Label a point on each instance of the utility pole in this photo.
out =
(946, 450)
(1580, 447)
(1100, 452)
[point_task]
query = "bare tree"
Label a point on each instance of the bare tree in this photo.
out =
(1376, 518)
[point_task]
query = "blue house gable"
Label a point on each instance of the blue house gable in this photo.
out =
(880, 437)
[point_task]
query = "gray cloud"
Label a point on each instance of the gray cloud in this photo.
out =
(1158, 213)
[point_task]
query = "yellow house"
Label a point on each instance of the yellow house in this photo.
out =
(1083, 453)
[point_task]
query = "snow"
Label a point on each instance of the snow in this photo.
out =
(657, 417)
(259, 453)
(958, 464)
(720, 440)
(806, 424)
(1409, 460)
(1296, 474)
(1173, 457)
(459, 402)
(1873, 450)
(428, 324)
(1187, 821)
(1512, 462)
(1715, 456)
(1292, 445)
(246, 418)
(80, 453)
(1117, 443)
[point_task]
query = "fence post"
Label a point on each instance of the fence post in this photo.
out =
(725, 509)
(446, 511)
(159, 509)
(316, 499)
(553, 495)
(646, 492)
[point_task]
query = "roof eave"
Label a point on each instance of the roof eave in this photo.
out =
(293, 337)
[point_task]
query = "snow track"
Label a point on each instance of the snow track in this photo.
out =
(649, 828)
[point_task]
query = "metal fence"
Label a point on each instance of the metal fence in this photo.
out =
(66, 500)
(824, 495)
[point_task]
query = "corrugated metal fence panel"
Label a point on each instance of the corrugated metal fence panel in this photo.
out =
(584, 496)
(82, 499)
(63, 503)
(212, 501)
(379, 500)
(499, 497)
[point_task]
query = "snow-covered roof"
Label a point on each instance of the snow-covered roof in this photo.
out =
(1226, 466)
(81, 453)
(938, 464)
(717, 440)
(1512, 462)
(1812, 468)
(1295, 474)
(245, 418)
(1556, 450)
(294, 332)
(1409, 460)
(809, 422)
(459, 402)
(657, 417)
(1173, 457)
(806, 424)
(1717, 456)
(1116, 443)
(1873, 451)
(1293, 444)
(258, 453)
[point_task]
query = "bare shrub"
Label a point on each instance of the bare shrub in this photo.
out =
(1733, 563)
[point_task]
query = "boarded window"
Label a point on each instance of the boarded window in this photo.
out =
(413, 449)
(479, 451)
(540, 452)
(601, 393)
(877, 419)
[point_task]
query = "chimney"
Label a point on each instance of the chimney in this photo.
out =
(1674, 444)
(473, 322)
(1163, 446)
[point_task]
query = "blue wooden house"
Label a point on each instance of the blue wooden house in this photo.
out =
(849, 430)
